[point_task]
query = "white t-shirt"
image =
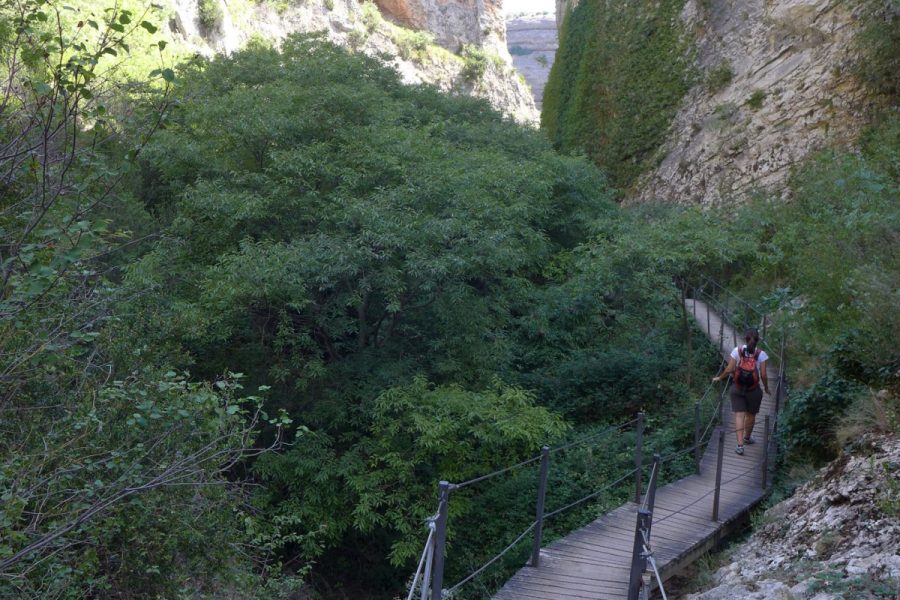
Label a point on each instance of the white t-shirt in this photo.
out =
(763, 357)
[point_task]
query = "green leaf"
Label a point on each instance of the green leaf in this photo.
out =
(150, 27)
(168, 75)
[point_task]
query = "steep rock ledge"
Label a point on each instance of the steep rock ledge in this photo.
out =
(777, 86)
(838, 536)
(419, 56)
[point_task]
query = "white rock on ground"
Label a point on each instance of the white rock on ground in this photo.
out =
(838, 536)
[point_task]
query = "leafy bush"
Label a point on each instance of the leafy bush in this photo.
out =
(210, 14)
(371, 16)
(718, 77)
(877, 42)
(413, 45)
(475, 62)
(756, 99)
(812, 416)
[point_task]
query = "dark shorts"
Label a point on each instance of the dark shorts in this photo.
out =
(746, 400)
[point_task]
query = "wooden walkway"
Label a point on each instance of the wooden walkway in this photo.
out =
(594, 562)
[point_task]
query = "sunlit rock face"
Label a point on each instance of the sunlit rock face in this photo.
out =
(453, 23)
(532, 41)
(349, 23)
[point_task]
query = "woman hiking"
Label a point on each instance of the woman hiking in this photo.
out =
(748, 363)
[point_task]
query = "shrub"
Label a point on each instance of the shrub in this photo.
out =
(812, 415)
(413, 45)
(210, 14)
(371, 16)
(475, 62)
(756, 99)
(877, 42)
(718, 77)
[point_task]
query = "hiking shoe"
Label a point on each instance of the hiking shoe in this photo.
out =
(749, 441)
(739, 449)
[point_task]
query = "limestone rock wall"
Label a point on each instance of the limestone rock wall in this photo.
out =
(532, 42)
(453, 23)
(777, 85)
(352, 24)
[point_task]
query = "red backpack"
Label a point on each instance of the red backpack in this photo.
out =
(746, 371)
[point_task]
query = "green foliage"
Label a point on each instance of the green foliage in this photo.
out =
(877, 42)
(210, 14)
(353, 234)
(813, 414)
(413, 45)
(475, 62)
(371, 16)
(718, 77)
(863, 586)
(616, 83)
(113, 468)
(756, 99)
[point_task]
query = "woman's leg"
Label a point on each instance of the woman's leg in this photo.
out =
(739, 424)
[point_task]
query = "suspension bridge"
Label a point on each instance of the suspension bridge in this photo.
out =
(636, 547)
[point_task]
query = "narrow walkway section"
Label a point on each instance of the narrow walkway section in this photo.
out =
(594, 562)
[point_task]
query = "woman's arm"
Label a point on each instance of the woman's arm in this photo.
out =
(763, 376)
(728, 369)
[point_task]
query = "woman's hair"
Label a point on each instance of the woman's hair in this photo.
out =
(753, 334)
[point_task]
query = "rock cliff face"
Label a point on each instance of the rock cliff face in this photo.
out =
(532, 42)
(423, 56)
(453, 23)
(776, 85)
(838, 536)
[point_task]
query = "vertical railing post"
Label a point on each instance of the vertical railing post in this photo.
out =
(697, 436)
(539, 510)
(638, 559)
(778, 390)
(715, 515)
(708, 326)
(654, 481)
(734, 325)
(765, 449)
(722, 331)
(722, 404)
(765, 320)
(638, 456)
(440, 541)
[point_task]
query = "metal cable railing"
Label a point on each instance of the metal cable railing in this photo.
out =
(591, 495)
(481, 569)
(432, 559)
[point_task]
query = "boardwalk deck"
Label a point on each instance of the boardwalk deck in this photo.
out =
(593, 563)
